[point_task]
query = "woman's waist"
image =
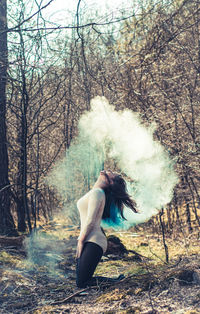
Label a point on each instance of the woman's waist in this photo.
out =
(98, 237)
(97, 233)
(97, 230)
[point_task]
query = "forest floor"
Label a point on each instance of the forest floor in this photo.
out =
(38, 275)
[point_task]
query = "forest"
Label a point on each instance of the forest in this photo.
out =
(144, 58)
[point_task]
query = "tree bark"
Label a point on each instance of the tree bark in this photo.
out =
(188, 217)
(7, 226)
(163, 236)
(25, 213)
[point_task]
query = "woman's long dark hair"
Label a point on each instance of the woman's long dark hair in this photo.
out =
(117, 193)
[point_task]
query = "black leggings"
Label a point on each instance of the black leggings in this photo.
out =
(86, 265)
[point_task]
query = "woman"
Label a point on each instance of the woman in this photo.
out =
(109, 190)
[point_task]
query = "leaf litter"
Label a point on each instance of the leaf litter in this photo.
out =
(150, 284)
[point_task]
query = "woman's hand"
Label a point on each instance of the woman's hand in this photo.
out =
(79, 248)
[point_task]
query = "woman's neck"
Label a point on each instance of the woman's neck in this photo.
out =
(99, 186)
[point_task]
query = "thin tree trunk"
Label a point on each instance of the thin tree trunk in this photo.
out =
(21, 218)
(177, 212)
(169, 222)
(188, 217)
(23, 140)
(163, 236)
(193, 199)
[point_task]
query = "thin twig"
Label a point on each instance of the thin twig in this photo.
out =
(138, 254)
(69, 297)
(106, 284)
(155, 254)
(150, 298)
(149, 287)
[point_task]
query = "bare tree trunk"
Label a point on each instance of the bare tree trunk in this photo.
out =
(23, 208)
(188, 217)
(163, 236)
(177, 212)
(193, 200)
(7, 226)
(169, 220)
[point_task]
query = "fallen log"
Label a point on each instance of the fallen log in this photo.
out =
(14, 242)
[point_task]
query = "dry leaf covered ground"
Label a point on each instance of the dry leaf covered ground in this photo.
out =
(39, 276)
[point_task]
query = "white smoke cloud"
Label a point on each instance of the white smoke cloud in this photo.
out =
(137, 154)
(122, 136)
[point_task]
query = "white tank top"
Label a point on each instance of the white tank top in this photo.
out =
(91, 207)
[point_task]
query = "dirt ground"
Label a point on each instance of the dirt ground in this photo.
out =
(40, 278)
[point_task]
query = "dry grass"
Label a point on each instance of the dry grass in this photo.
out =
(150, 283)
